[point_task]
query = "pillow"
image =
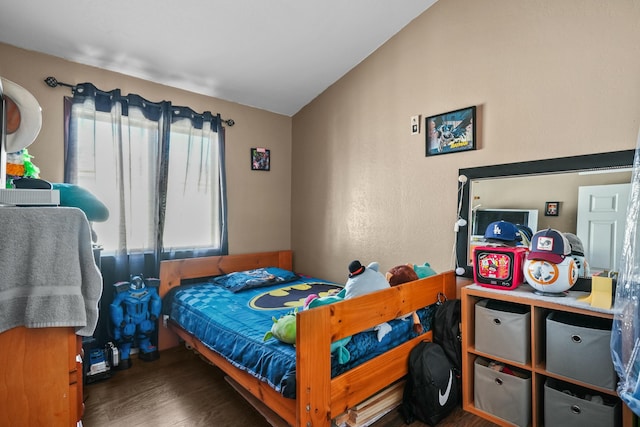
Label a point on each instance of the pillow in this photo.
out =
(251, 279)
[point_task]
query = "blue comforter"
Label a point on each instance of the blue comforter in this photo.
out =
(234, 326)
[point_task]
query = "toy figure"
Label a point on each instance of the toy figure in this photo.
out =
(134, 311)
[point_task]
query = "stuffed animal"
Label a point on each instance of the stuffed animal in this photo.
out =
(19, 165)
(284, 328)
(402, 274)
(424, 270)
(363, 280)
(338, 347)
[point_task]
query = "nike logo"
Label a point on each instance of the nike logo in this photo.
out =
(442, 398)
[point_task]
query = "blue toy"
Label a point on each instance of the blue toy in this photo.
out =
(363, 280)
(134, 311)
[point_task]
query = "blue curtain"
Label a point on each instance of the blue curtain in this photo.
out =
(177, 145)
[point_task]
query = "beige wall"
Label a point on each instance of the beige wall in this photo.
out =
(551, 78)
(348, 181)
(259, 211)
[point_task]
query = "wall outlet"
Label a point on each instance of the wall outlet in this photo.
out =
(415, 125)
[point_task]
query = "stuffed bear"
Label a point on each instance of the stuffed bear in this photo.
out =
(402, 274)
(363, 280)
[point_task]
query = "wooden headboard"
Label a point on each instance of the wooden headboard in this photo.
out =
(173, 271)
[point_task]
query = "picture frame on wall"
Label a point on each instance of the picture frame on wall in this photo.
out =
(552, 208)
(260, 159)
(451, 132)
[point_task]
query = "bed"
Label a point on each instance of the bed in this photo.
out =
(320, 393)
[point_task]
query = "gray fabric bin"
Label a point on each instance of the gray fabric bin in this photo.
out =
(567, 405)
(501, 394)
(579, 347)
(503, 330)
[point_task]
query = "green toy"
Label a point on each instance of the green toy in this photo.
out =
(284, 329)
(338, 347)
(424, 270)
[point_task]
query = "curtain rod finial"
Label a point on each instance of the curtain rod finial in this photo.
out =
(53, 82)
(229, 122)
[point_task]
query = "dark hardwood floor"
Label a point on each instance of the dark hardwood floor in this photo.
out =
(180, 389)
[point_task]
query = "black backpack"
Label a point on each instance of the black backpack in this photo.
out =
(431, 391)
(446, 332)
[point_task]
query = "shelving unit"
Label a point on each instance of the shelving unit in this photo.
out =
(539, 307)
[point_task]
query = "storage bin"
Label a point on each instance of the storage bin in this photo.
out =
(578, 347)
(567, 405)
(503, 330)
(502, 394)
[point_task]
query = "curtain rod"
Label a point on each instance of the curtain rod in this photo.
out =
(53, 82)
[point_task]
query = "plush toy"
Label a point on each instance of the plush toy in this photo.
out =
(402, 274)
(19, 165)
(424, 270)
(284, 328)
(363, 280)
(338, 347)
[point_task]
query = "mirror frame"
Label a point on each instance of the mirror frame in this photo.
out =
(610, 160)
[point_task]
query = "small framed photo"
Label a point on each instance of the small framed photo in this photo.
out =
(451, 132)
(260, 159)
(551, 208)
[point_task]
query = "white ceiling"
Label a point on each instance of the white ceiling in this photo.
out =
(276, 55)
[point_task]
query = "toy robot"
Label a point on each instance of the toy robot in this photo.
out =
(134, 311)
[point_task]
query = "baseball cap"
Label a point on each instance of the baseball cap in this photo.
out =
(502, 232)
(549, 245)
(576, 244)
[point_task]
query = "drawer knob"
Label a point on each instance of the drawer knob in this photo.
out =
(576, 339)
(575, 409)
(497, 321)
(498, 381)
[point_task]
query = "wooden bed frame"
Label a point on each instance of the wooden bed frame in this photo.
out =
(319, 397)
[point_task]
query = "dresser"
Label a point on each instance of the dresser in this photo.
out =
(49, 292)
(41, 372)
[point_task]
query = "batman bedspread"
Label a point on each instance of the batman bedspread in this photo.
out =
(234, 325)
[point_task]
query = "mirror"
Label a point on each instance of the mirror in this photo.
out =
(530, 185)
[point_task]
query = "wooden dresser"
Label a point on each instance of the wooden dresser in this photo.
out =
(49, 292)
(40, 377)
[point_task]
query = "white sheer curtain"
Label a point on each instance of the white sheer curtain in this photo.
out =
(158, 168)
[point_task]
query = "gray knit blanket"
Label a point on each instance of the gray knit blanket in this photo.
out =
(48, 276)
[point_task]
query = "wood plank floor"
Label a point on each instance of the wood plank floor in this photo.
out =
(180, 389)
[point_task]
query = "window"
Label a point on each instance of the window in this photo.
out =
(172, 196)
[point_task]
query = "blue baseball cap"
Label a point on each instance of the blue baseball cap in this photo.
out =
(549, 245)
(502, 232)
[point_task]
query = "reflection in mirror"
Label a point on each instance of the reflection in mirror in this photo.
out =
(578, 184)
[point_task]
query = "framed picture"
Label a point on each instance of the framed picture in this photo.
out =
(260, 159)
(451, 132)
(551, 208)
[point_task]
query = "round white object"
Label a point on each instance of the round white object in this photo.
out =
(550, 278)
(30, 116)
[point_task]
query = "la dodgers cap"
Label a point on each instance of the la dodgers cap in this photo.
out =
(502, 231)
(549, 245)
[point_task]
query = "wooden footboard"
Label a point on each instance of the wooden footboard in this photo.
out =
(319, 397)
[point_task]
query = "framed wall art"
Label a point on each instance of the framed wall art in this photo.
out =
(451, 132)
(260, 159)
(552, 208)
